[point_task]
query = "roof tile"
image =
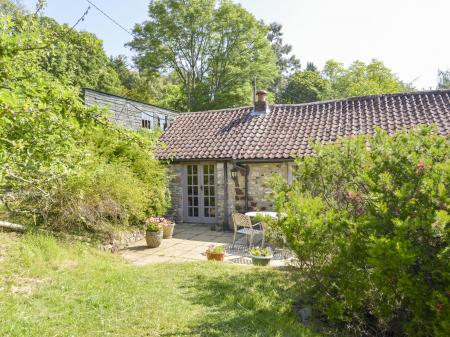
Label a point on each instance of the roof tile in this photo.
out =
(236, 134)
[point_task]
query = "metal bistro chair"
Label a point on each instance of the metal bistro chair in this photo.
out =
(242, 224)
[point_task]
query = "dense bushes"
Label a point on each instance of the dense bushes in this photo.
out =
(368, 219)
(62, 165)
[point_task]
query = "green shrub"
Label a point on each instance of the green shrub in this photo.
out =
(257, 251)
(368, 218)
(153, 227)
(62, 165)
(215, 249)
(117, 184)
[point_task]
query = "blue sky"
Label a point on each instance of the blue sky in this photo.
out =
(409, 36)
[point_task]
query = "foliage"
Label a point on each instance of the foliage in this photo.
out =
(443, 79)
(335, 82)
(59, 159)
(304, 86)
(40, 118)
(153, 227)
(257, 251)
(92, 199)
(215, 249)
(77, 58)
(286, 62)
(368, 218)
(51, 288)
(361, 79)
(213, 47)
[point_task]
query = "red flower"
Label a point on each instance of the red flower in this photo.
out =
(438, 308)
(421, 167)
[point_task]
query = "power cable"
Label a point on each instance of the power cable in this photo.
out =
(110, 18)
(82, 17)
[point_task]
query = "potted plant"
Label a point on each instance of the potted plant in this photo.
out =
(261, 256)
(215, 252)
(166, 225)
(153, 234)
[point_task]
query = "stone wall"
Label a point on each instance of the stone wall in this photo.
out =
(129, 113)
(176, 192)
(258, 190)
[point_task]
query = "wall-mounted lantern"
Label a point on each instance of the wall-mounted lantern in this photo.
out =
(234, 172)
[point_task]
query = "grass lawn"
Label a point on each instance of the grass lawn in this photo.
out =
(49, 288)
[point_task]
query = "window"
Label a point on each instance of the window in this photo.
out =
(146, 119)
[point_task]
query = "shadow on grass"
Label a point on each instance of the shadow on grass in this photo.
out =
(256, 302)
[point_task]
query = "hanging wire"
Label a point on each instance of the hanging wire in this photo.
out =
(82, 17)
(110, 18)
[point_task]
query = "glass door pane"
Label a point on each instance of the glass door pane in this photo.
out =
(209, 193)
(192, 191)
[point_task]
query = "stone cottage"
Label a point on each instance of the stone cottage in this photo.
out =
(221, 159)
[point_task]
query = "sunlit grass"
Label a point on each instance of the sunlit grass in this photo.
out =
(49, 288)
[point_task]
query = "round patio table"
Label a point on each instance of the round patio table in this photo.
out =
(262, 213)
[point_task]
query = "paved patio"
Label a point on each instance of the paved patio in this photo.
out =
(189, 243)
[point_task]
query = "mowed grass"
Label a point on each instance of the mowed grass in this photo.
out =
(51, 288)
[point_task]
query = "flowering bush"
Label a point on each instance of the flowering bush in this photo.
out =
(368, 218)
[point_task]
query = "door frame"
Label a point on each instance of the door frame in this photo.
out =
(201, 218)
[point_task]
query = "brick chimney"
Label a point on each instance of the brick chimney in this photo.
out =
(261, 106)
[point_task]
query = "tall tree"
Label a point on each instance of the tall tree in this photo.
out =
(443, 79)
(79, 58)
(213, 47)
(304, 86)
(361, 79)
(286, 62)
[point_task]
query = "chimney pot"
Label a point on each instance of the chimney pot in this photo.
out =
(261, 95)
(261, 104)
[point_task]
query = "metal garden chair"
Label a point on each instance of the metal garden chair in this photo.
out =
(242, 224)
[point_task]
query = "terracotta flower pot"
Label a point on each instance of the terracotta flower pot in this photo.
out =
(217, 257)
(261, 260)
(153, 239)
(168, 230)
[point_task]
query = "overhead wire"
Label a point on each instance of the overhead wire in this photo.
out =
(82, 17)
(109, 17)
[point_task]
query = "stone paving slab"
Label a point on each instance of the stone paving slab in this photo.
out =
(189, 243)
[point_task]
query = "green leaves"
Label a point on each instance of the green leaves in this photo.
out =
(368, 218)
(213, 47)
(59, 159)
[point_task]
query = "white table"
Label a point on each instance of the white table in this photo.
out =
(255, 214)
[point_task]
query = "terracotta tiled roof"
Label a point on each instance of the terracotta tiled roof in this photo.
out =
(237, 134)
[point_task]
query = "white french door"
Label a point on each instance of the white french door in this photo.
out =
(200, 193)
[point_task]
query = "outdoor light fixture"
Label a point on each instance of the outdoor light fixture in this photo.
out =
(234, 172)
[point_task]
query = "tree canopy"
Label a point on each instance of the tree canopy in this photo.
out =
(335, 81)
(213, 47)
(59, 159)
(443, 79)
(304, 86)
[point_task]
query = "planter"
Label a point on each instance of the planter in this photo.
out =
(153, 239)
(168, 230)
(217, 257)
(261, 260)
